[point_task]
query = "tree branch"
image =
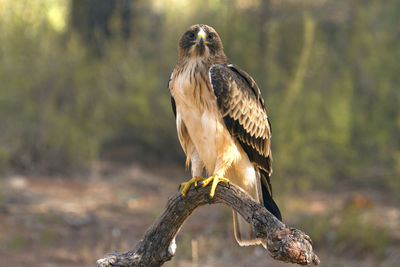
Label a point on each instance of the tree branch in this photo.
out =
(158, 244)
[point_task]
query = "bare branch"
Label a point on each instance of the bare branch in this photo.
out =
(158, 244)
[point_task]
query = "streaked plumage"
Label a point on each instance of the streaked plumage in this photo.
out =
(221, 120)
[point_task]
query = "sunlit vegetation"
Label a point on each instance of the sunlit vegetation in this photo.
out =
(71, 92)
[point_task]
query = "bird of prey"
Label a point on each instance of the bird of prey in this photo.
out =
(221, 122)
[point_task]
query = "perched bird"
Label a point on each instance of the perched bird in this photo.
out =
(221, 122)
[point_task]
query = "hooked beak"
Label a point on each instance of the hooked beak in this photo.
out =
(201, 38)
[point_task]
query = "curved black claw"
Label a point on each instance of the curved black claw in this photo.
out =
(197, 186)
(179, 187)
(210, 199)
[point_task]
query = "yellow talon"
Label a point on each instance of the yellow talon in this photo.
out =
(186, 185)
(215, 179)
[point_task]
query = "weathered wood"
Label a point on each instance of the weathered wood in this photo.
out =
(158, 244)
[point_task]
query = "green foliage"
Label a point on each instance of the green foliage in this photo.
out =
(47, 237)
(53, 115)
(349, 231)
(17, 241)
(360, 234)
(329, 77)
(317, 226)
(60, 104)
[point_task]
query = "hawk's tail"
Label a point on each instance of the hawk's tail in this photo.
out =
(262, 193)
(266, 188)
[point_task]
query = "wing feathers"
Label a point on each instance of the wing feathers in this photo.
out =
(242, 107)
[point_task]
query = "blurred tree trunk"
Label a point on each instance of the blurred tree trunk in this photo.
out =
(296, 84)
(264, 14)
(91, 19)
(229, 24)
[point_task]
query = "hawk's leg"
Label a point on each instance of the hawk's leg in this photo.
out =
(215, 179)
(197, 169)
(224, 161)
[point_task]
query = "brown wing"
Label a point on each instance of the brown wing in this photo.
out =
(243, 110)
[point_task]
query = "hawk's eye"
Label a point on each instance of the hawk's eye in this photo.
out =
(210, 36)
(191, 35)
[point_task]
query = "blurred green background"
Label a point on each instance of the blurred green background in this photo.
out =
(85, 81)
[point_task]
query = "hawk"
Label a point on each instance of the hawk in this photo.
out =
(221, 122)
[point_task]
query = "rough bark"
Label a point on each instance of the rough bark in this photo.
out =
(158, 244)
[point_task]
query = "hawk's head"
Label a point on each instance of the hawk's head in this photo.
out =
(200, 41)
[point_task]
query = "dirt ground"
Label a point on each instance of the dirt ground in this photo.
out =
(72, 221)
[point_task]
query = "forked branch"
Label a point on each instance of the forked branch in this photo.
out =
(158, 244)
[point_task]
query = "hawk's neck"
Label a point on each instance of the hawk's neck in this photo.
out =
(191, 82)
(202, 62)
